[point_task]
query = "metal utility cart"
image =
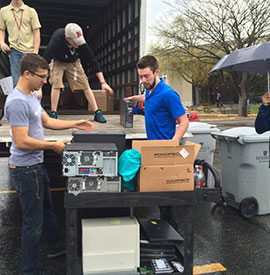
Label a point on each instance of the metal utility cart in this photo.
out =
(75, 205)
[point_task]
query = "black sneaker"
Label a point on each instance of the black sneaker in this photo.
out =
(56, 254)
(53, 114)
(57, 250)
(99, 117)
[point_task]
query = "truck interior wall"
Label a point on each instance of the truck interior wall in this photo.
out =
(115, 40)
(111, 28)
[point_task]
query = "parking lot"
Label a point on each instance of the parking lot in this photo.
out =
(222, 235)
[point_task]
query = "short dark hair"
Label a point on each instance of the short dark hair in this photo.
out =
(32, 62)
(148, 61)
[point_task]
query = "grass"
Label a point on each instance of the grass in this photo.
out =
(254, 108)
(208, 109)
(193, 108)
(202, 108)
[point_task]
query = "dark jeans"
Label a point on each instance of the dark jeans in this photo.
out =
(15, 58)
(168, 213)
(33, 186)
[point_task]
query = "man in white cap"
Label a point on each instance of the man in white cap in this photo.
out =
(66, 48)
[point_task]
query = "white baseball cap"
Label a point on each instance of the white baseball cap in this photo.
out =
(74, 31)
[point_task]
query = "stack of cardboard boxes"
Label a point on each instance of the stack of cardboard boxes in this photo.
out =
(105, 101)
(165, 165)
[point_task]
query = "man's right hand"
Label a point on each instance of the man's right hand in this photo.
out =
(59, 145)
(5, 48)
(266, 99)
(132, 98)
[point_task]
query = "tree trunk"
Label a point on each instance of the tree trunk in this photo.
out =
(242, 107)
(197, 95)
(241, 91)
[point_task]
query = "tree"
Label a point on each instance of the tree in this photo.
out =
(209, 29)
(189, 68)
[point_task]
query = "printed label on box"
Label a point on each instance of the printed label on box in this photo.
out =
(184, 153)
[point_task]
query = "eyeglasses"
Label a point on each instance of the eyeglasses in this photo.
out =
(43, 76)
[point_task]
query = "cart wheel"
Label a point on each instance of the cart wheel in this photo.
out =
(249, 207)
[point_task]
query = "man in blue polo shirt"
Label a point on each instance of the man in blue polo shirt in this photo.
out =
(162, 108)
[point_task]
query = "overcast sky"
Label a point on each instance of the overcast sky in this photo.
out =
(154, 9)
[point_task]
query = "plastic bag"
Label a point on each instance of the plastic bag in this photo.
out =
(128, 166)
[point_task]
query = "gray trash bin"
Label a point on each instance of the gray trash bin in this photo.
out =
(202, 135)
(245, 169)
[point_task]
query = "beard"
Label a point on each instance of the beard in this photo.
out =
(151, 86)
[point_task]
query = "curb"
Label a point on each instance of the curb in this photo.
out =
(224, 115)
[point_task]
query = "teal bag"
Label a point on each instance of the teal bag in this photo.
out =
(128, 165)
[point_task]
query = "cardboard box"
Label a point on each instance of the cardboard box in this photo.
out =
(197, 147)
(138, 144)
(167, 155)
(128, 91)
(105, 101)
(164, 152)
(166, 178)
(165, 165)
(78, 99)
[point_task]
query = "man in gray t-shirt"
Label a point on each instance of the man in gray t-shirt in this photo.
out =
(27, 172)
(23, 110)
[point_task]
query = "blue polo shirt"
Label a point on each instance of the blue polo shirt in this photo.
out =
(162, 107)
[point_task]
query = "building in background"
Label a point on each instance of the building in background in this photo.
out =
(181, 86)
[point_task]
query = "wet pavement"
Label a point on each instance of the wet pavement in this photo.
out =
(222, 235)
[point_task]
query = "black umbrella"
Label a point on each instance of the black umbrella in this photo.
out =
(254, 59)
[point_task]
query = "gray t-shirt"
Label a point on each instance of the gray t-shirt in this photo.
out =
(24, 111)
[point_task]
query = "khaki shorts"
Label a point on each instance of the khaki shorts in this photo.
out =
(74, 74)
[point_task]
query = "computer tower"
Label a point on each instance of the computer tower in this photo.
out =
(90, 159)
(126, 113)
(118, 138)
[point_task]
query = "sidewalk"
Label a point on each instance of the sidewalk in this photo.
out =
(210, 115)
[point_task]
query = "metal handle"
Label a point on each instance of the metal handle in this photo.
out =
(212, 169)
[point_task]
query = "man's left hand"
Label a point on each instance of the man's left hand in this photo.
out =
(106, 87)
(85, 125)
(266, 99)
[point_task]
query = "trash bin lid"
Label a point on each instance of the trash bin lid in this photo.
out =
(243, 135)
(202, 128)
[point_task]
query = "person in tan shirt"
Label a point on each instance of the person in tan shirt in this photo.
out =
(23, 27)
